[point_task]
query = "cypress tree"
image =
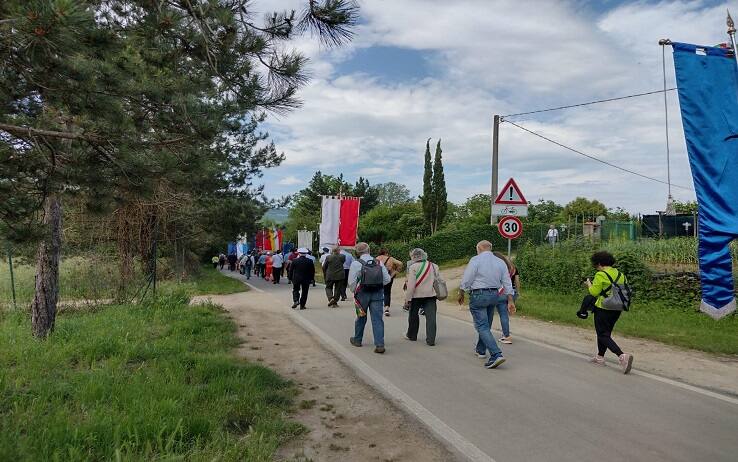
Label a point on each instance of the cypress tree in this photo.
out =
(427, 198)
(440, 197)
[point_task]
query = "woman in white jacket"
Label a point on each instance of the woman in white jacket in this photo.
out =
(421, 295)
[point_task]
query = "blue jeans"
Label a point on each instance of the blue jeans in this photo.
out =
(504, 316)
(481, 307)
(376, 312)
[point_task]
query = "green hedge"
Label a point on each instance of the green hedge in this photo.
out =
(452, 244)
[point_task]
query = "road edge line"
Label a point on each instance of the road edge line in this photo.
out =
(437, 427)
(658, 378)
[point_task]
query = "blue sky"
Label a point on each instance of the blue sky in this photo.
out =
(420, 69)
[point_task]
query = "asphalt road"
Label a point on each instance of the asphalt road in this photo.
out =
(543, 404)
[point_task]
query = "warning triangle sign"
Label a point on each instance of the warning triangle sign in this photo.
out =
(511, 194)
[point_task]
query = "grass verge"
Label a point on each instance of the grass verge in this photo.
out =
(152, 382)
(653, 320)
(208, 281)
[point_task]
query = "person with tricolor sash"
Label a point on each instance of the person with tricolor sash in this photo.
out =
(421, 295)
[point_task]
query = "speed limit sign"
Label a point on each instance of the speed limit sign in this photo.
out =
(510, 227)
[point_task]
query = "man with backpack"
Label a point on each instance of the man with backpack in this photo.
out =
(609, 295)
(367, 278)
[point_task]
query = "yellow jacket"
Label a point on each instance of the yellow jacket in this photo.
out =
(600, 283)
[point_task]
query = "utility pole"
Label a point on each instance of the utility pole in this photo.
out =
(495, 159)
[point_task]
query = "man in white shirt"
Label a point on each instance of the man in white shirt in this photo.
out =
(369, 300)
(277, 264)
(484, 276)
(552, 235)
(325, 252)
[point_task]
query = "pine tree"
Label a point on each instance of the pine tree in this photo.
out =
(440, 197)
(426, 199)
(127, 102)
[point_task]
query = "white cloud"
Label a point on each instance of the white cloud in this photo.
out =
(290, 181)
(501, 57)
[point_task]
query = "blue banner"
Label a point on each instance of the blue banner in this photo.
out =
(231, 248)
(707, 80)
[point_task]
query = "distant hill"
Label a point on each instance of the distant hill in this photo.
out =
(278, 216)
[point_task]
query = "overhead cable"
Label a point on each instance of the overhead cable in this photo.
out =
(592, 157)
(589, 103)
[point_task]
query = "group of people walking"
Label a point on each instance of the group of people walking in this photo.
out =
(491, 281)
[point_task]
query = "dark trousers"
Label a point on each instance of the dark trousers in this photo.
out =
(604, 321)
(215, 265)
(345, 284)
(232, 266)
(262, 270)
(300, 292)
(247, 271)
(429, 305)
(333, 290)
(388, 293)
(276, 273)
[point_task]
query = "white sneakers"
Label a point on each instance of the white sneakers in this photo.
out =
(625, 360)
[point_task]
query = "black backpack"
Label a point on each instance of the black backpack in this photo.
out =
(621, 296)
(371, 277)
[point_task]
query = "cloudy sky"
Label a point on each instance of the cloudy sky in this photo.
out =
(420, 69)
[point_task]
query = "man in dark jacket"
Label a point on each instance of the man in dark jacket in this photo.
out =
(334, 276)
(232, 259)
(302, 274)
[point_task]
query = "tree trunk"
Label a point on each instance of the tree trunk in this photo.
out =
(43, 308)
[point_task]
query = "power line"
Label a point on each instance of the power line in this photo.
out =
(593, 157)
(589, 103)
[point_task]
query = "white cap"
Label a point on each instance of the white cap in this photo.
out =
(302, 250)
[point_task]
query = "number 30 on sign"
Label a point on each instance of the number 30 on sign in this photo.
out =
(510, 227)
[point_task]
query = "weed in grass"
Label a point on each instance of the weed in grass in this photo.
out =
(308, 404)
(337, 448)
(326, 407)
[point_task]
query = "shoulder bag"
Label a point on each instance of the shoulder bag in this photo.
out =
(439, 285)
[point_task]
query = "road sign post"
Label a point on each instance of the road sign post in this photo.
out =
(510, 204)
(511, 228)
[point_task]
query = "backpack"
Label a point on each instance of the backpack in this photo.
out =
(621, 296)
(371, 277)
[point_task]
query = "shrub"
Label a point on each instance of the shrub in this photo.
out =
(452, 244)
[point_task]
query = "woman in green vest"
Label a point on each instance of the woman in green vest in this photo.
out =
(604, 319)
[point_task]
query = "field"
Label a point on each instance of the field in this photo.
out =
(89, 278)
(675, 253)
(94, 278)
(137, 382)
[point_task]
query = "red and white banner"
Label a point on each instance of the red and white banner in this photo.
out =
(339, 221)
